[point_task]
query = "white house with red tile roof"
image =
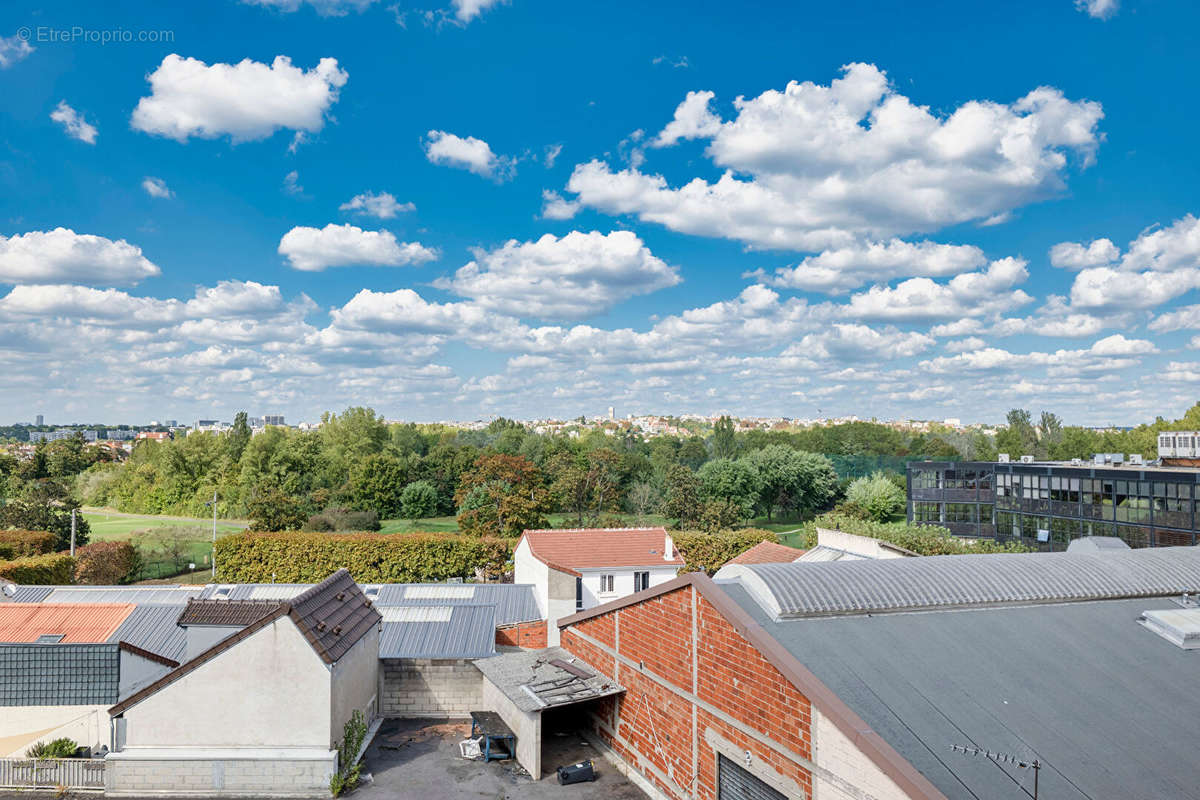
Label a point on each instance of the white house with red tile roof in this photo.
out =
(579, 568)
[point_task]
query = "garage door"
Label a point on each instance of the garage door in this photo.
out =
(735, 783)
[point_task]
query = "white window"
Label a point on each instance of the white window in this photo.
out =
(606, 584)
(641, 581)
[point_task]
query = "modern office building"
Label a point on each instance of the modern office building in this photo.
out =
(1046, 504)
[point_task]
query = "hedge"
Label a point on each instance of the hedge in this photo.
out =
(708, 552)
(18, 544)
(296, 557)
(47, 569)
(924, 540)
(107, 563)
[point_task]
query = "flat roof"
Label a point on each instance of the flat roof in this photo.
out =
(535, 680)
(1108, 706)
(1085, 464)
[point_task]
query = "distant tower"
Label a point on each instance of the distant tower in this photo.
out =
(611, 413)
(38, 420)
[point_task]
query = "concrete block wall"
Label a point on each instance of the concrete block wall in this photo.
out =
(430, 688)
(129, 776)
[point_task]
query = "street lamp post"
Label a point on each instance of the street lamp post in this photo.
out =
(213, 503)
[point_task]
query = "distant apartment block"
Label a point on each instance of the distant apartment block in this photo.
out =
(273, 419)
(62, 433)
(1046, 504)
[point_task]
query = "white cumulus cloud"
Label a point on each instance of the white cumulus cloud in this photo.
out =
(61, 255)
(1100, 9)
(246, 101)
(316, 249)
(382, 205)
(1158, 266)
(576, 276)
(814, 167)
(13, 49)
(156, 187)
(474, 155)
(73, 123)
(842, 269)
(467, 10)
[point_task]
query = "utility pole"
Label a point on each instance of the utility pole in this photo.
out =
(72, 533)
(1004, 758)
(213, 503)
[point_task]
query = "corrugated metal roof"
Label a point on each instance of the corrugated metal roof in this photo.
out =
(822, 553)
(152, 626)
(535, 680)
(468, 631)
(29, 594)
(514, 602)
(121, 594)
(869, 586)
(85, 622)
(417, 613)
(59, 674)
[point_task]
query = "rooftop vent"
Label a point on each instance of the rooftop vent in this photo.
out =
(1180, 627)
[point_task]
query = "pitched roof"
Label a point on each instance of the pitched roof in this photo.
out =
(332, 615)
(767, 553)
(77, 623)
(152, 626)
(59, 674)
(455, 631)
(225, 612)
(572, 549)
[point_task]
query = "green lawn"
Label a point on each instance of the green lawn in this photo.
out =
(432, 524)
(106, 526)
(167, 544)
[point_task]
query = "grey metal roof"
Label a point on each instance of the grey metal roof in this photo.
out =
(539, 679)
(869, 586)
(514, 602)
(29, 594)
(120, 594)
(59, 674)
(1108, 706)
(458, 631)
(153, 627)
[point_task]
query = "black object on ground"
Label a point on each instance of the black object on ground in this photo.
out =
(577, 773)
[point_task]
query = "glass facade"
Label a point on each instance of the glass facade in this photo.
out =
(1047, 505)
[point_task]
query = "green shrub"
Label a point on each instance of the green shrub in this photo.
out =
(342, 519)
(296, 557)
(18, 544)
(56, 748)
(925, 540)
(47, 569)
(353, 734)
(107, 563)
(708, 552)
(877, 495)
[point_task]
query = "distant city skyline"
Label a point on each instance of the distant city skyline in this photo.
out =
(538, 209)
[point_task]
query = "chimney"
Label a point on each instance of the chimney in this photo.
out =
(668, 547)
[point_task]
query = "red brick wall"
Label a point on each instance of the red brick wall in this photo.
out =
(651, 725)
(530, 635)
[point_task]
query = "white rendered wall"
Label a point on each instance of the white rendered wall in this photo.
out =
(355, 684)
(269, 690)
(527, 569)
(622, 582)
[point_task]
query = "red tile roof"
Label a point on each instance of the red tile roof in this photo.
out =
(767, 553)
(77, 622)
(571, 549)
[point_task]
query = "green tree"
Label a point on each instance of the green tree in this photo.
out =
(271, 509)
(723, 438)
(1019, 436)
(418, 500)
(46, 505)
(731, 481)
(501, 496)
(376, 483)
(877, 496)
(681, 496)
(238, 437)
(586, 484)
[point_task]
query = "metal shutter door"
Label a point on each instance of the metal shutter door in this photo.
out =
(735, 783)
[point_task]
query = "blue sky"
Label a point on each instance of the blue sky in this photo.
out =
(936, 209)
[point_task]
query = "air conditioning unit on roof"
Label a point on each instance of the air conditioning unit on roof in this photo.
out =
(1026, 459)
(1136, 458)
(1002, 458)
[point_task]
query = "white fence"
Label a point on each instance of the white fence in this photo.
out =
(50, 773)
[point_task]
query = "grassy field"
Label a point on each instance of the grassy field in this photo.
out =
(106, 525)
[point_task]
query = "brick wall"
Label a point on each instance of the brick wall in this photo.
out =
(694, 689)
(430, 688)
(529, 635)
